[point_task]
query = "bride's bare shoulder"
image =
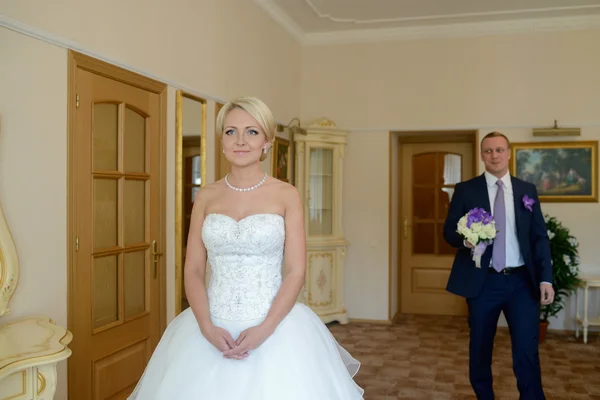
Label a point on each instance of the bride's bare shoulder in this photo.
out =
(209, 192)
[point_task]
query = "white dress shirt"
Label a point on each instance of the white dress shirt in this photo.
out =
(514, 258)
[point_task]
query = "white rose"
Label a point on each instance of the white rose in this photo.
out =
(551, 235)
(463, 230)
(490, 231)
(476, 227)
(567, 259)
(473, 238)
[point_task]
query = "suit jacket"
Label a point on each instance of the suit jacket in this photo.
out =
(467, 280)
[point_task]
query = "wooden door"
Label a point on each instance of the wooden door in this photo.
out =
(429, 172)
(116, 310)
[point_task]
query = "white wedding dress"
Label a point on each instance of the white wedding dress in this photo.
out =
(301, 360)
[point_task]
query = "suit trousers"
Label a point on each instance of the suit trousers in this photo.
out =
(514, 295)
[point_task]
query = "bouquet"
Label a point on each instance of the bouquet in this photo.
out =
(478, 228)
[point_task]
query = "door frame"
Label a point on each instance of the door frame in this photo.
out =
(220, 159)
(180, 140)
(399, 138)
(76, 61)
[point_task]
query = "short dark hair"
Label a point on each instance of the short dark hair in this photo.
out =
(495, 134)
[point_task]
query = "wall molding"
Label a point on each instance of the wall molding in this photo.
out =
(59, 41)
(283, 19)
(516, 13)
(469, 29)
(473, 29)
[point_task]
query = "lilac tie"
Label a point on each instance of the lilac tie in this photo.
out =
(499, 248)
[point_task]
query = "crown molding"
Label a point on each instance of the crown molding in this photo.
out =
(282, 18)
(474, 29)
(516, 14)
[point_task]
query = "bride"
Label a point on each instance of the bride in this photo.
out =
(244, 337)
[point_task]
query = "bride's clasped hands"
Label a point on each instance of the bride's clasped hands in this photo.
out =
(249, 340)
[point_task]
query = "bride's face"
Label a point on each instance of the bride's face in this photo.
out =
(243, 138)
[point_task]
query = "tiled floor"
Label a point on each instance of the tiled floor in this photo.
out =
(426, 357)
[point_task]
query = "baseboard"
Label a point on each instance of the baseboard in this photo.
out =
(370, 321)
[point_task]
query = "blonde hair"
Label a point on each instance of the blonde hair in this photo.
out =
(257, 109)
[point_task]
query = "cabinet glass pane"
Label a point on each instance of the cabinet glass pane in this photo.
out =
(320, 184)
(105, 136)
(135, 283)
(106, 291)
(135, 142)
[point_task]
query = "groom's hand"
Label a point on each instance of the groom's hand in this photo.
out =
(547, 293)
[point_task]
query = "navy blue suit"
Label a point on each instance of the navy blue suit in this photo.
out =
(489, 293)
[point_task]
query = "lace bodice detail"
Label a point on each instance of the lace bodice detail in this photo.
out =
(245, 258)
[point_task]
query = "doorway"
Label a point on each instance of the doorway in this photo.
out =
(427, 167)
(116, 227)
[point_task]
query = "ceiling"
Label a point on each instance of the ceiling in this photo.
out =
(331, 21)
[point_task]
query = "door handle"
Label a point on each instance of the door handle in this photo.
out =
(155, 255)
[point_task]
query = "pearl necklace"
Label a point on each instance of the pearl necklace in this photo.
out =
(263, 180)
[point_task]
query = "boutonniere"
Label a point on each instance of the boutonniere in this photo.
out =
(528, 202)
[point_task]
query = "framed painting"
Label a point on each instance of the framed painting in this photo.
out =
(281, 168)
(561, 171)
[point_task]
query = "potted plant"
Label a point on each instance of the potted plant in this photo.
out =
(565, 269)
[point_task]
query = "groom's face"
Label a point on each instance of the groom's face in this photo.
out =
(495, 155)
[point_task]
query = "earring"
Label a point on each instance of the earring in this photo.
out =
(265, 150)
(223, 151)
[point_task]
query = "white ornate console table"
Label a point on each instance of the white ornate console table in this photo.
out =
(29, 351)
(587, 283)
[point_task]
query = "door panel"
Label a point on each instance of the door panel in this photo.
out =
(429, 172)
(115, 291)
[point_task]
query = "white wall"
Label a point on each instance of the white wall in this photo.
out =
(33, 171)
(507, 83)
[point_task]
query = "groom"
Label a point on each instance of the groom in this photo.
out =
(515, 274)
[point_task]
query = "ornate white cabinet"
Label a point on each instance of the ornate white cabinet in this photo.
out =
(30, 347)
(319, 171)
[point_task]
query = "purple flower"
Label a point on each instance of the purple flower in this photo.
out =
(478, 215)
(528, 202)
(487, 218)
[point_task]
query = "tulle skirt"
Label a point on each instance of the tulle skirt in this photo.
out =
(301, 360)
